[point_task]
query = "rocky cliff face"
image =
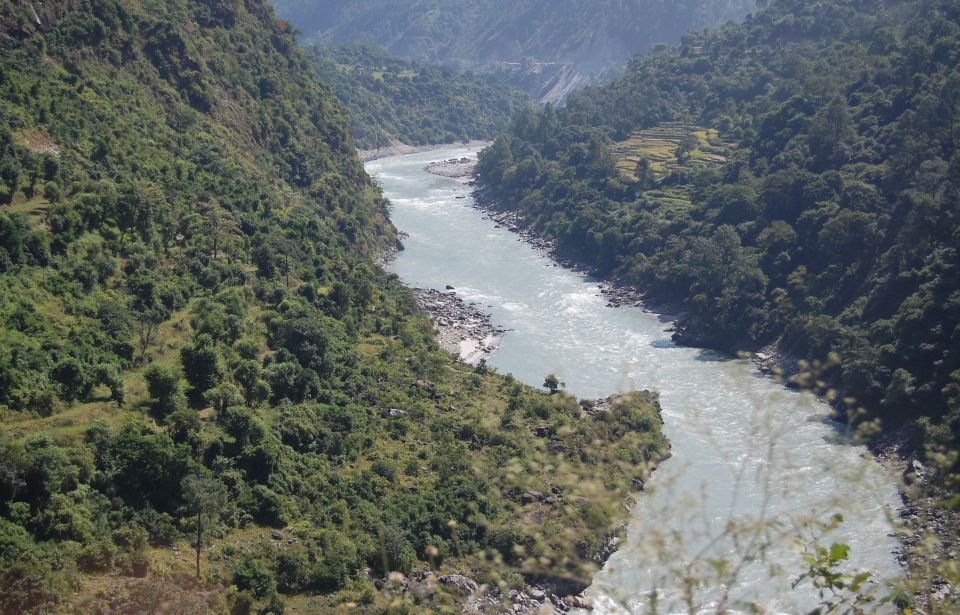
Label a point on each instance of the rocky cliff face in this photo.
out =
(546, 82)
(549, 47)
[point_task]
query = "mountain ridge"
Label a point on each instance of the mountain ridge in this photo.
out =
(211, 398)
(759, 177)
(572, 42)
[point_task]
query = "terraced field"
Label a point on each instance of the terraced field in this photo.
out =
(660, 146)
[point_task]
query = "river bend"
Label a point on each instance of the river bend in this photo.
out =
(745, 448)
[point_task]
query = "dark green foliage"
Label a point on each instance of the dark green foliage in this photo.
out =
(551, 383)
(19, 244)
(396, 552)
(340, 560)
(166, 388)
(30, 575)
(183, 425)
(213, 234)
(201, 364)
(146, 468)
(255, 575)
(832, 227)
(293, 571)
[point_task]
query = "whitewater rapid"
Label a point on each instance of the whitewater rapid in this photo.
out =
(752, 460)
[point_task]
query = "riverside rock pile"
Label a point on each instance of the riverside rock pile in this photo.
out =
(622, 296)
(462, 328)
(456, 168)
(539, 598)
(390, 252)
(515, 224)
(533, 600)
(617, 293)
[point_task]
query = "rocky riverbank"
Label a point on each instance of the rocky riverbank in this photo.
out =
(462, 328)
(617, 292)
(455, 168)
(926, 531)
(399, 149)
(476, 598)
(390, 253)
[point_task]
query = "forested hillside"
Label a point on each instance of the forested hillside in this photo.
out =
(793, 179)
(211, 399)
(393, 100)
(546, 47)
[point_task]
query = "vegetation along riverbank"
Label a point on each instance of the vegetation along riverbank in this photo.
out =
(214, 399)
(211, 399)
(727, 177)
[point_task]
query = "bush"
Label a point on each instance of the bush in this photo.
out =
(161, 531)
(32, 577)
(51, 191)
(394, 553)
(97, 556)
(201, 364)
(268, 507)
(254, 575)
(166, 388)
(385, 469)
(223, 396)
(73, 377)
(293, 570)
(62, 518)
(339, 561)
(181, 424)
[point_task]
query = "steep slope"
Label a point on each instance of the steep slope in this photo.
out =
(393, 100)
(549, 48)
(196, 350)
(794, 178)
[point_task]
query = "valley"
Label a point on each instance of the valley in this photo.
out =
(410, 306)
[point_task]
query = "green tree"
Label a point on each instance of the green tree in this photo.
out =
(688, 145)
(165, 386)
(223, 396)
(219, 224)
(644, 173)
(551, 383)
(250, 377)
(111, 376)
(204, 498)
(10, 175)
(829, 132)
(149, 309)
(201, 364)
(73, 377)
(253, 574)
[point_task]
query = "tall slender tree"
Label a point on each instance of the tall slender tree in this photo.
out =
(205, 498)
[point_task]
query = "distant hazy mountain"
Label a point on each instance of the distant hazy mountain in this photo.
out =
(547, 46)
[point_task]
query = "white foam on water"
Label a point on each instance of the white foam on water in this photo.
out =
(744, 447)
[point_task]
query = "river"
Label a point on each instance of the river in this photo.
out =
(752, 460)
